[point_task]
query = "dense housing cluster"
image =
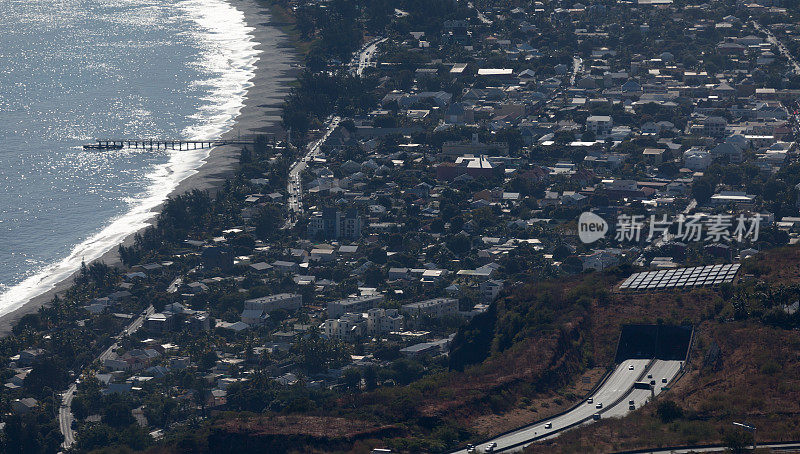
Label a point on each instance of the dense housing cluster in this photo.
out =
(442, 162)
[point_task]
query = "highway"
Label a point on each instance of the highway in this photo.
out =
(294, 184)
(659, 370)
(65, 411)
(614, 395)
(616, 386)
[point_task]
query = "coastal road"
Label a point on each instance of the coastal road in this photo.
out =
(615, 388)
(363, 58)
(775, 42)
(294, 184)
(65, 411)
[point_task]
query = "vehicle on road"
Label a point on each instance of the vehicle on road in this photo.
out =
(470, 449)
(596, 416)
(630, 367)
(490, 447)
(664, 380)
(548, 425)
(590, 400)
(599, 405)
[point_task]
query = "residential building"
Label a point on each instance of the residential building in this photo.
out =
(436, 308)
(355, 304)
(332, 223)
(600, 125)
(347, 327)
(490, 289)
(23, 406)
(267, 304)
(160, 322)
(384, 321)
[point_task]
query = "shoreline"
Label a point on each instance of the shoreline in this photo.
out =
(260, 114)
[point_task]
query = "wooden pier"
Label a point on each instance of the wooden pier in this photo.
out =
(161, 144)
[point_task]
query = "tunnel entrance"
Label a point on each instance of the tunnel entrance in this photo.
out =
(667, 342)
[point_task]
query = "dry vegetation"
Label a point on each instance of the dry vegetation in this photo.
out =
(739, 370)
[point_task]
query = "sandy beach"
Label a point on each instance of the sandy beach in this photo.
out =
(275, 69)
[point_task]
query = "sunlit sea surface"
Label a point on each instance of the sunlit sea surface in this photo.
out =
(75, 70)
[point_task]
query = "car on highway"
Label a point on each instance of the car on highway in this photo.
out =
(631, 407)
(596, 416)
(664, 380)
(490, 447)
(630, 367)
(548, 425)
(599, 405)
(590, 400)
(470, 449)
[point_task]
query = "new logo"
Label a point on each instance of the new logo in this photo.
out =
(591, 227)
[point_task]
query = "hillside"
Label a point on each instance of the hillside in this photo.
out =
(744, 366)
(542, 347)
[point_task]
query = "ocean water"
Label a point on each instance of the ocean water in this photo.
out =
(75, 70)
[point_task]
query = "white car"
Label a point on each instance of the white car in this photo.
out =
(630, 367)
(599, 405)
(548, 425)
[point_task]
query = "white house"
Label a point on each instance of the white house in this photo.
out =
(600, 125)
(696, 159)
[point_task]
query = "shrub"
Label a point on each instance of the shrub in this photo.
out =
(669, 411)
